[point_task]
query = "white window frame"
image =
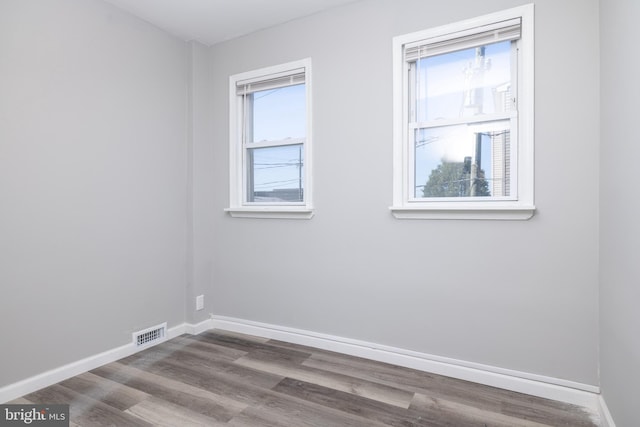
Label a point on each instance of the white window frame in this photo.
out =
(520, 206)
(238, 205)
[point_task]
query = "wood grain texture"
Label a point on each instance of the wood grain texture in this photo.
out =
(371, 390)
(112, 393)
(162, 413)
(213, 405)
(83, 410)
(228, 379)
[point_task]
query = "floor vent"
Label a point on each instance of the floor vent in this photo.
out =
(150, 335)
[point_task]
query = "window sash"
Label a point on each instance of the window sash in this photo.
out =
(246, 173)
(420, 50)
(249, 176)
(464, 120)
(274, 143)
(246, 160)
(244, 89)
(412, 81)
(246, 103)
(478, 125)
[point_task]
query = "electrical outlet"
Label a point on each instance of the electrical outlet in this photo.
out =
(199, 302)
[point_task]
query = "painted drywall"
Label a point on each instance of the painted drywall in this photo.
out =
(519, 295)
(93, 181)
(619, 210)
(201, 232)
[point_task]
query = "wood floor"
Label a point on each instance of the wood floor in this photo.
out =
(227, 379)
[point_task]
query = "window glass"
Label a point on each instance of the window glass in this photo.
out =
(275, 174)
(278, 114)
(469, 160)
(463, 83)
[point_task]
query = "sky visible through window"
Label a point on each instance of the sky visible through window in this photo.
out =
(279, 113)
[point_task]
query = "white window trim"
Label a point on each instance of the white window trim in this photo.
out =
(521, 209)
(237, 207)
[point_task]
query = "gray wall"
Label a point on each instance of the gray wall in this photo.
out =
(620, 210)
(201, 232)
(93, 181)
(355, 271)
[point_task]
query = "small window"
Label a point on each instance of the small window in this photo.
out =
(270, 142)
(463, 119)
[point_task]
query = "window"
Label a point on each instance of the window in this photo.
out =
(270, 142)
(463, 119)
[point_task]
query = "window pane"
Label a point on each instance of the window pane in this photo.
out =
(463, 161)
(277, 114)
(275, 174)
(464, 83)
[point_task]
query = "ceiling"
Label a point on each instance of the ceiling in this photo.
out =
(213, 21)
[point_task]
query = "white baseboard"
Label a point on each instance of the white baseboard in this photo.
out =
(45, 379)
(196, 329)
(605, 416)
(584, 395)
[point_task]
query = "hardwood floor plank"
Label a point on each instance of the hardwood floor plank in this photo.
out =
(379, 392)
(20, 401)
(165, 414)
(278, 355)
(366, 408)
(557, 414)
(239, 335)
(238, 342)
(177, 355)
(470, 415)
(283, 410)
(371, 370)
(235, 341)
(110, 392)
(85, 411)
(253, 417)
(216, 382)
(205, 366)
(205, 348)
(212, 405)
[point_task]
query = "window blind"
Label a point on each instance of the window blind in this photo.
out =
(474, 37)
(272, 81)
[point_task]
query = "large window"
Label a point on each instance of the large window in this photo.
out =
(270, 151)
(463, 119)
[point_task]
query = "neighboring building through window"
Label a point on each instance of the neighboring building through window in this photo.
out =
(463, 119)
(270, 142)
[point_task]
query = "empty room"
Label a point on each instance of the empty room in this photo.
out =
(319, 213)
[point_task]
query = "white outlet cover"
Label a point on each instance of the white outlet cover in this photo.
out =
(199, 302)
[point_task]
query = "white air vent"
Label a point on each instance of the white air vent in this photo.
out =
(149, 336)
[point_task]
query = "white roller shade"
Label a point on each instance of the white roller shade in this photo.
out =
(474, 37)
(273, 81)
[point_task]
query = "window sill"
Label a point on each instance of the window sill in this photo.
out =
(485, 212)
(271, 212)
